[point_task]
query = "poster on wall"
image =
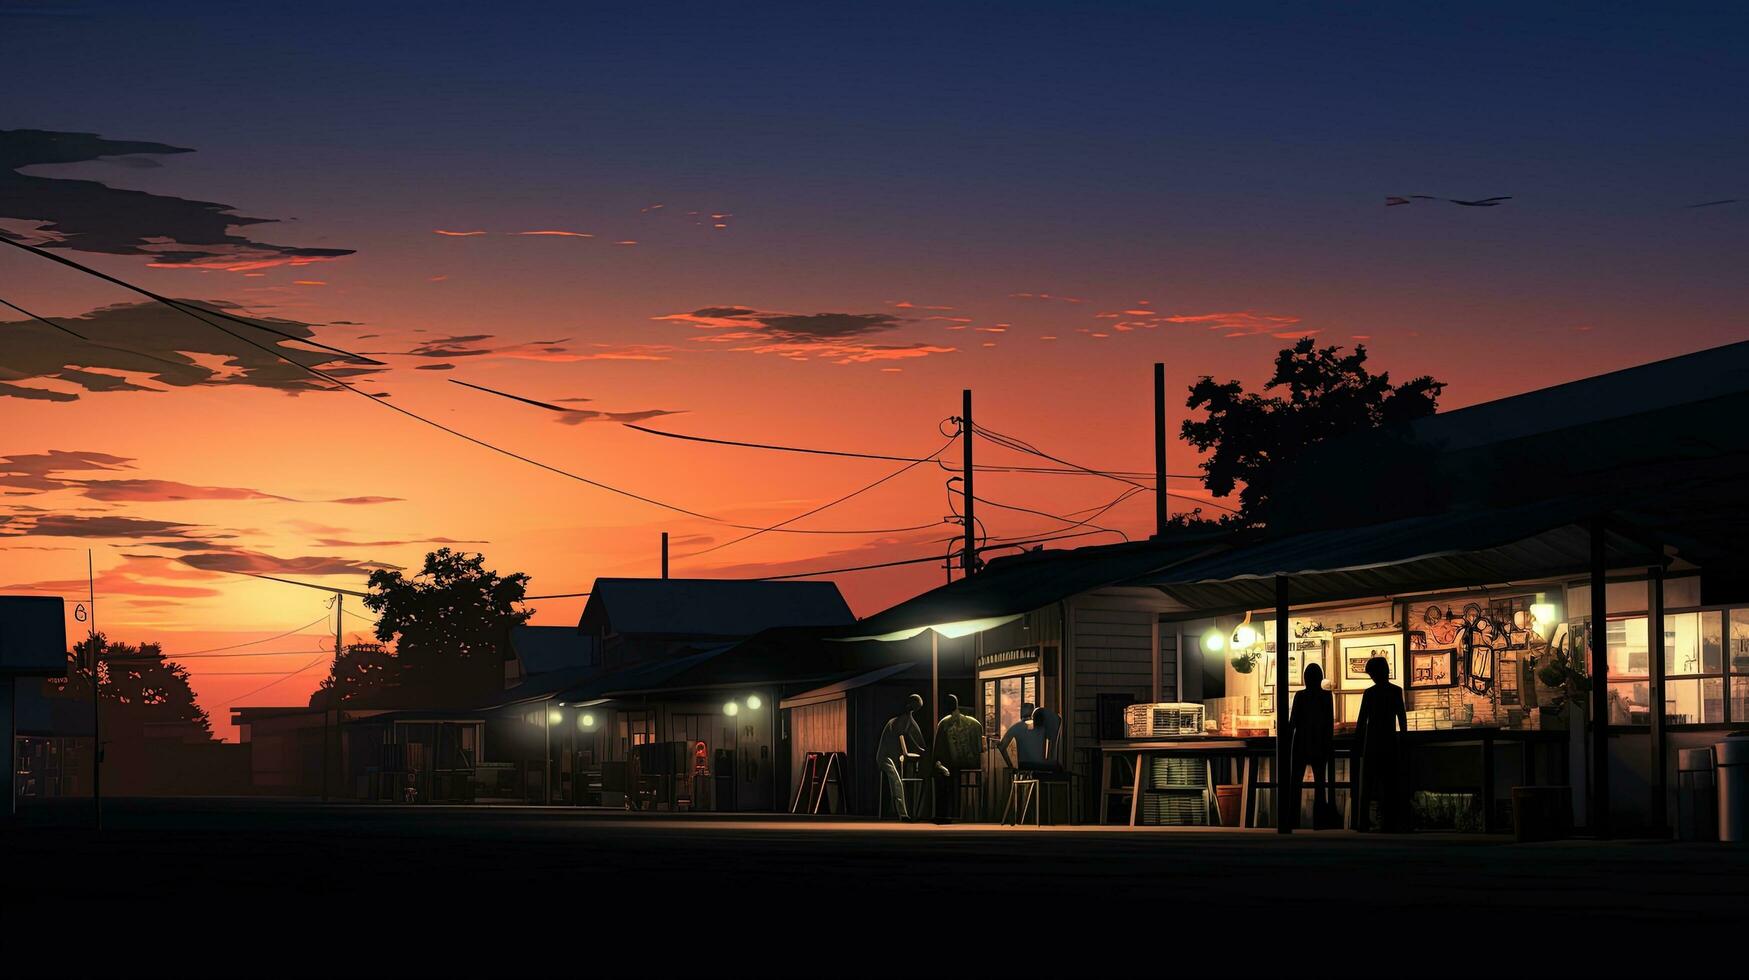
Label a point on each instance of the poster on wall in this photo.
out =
(1432, 668)
(1357, 651)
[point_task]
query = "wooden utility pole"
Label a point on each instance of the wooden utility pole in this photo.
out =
(969, 558)
(1161, 517)
(96, 680)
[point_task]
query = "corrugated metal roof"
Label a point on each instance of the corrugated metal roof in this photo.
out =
(840, 688)
(710, 607)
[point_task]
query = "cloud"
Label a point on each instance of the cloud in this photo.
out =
(43, 473)
(109, 526)
(90, 216)
(1244, 323)
(556, 234)
(1046, 297)
(365, 500)
(456, 234)
(36, 471)
(134, 346)
(259, 563)
(137, 575)
(152, 491)
(839, 337)
(343, 543)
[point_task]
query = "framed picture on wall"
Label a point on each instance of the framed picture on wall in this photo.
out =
(1357, 650)
(1432, 668)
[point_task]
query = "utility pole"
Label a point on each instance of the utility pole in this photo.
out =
(328, 700)
(96, 721)
(664, 554)
(1161, 516)
(969, 557)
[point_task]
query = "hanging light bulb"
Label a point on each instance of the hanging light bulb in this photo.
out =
(1213, 641)
(731, 709)
(753, 702)
(1244, 636)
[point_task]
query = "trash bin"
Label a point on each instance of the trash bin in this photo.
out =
(1697, 807)
(1731, 757)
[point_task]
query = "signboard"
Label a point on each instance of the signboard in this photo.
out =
(33, 635)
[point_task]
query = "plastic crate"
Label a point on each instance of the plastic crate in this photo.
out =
(1163, 718)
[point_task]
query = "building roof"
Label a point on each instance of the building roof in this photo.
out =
(1481, 546)
(838, 689)
(1025, 582)
(542, 649)
(710, 607)
(33, 635)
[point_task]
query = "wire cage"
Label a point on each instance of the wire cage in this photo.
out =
(1163, 718)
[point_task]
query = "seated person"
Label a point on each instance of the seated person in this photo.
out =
(1035, 740)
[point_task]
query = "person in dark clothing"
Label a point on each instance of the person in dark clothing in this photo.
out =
(901, 739)
(1378, 748)
(1312, 727)
(958, 745)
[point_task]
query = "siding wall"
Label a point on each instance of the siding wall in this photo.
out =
(819, 727)
(1113, 653)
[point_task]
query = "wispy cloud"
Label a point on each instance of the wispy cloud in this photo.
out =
(843, 338)
(90, 216)
(48, 472)
(137, 346)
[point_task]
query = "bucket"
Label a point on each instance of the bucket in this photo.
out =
(1227, 803)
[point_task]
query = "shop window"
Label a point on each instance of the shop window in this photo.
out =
(1706, 668)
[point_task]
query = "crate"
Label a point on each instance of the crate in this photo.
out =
(1163, 718)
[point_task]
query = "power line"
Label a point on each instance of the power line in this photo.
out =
(1020, 446)
(185, 307)
(993, 468)
(561, 595)
(168, 657)
(227, 704)
(270, 639)
(179, 365)
(833, 503)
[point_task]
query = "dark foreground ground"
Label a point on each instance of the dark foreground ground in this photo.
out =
(194, 888)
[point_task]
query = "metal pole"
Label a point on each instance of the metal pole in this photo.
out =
(96, 721)
(664, 554)
(968, 560)
(1655, 636)
(1282, 824)
(934, 676)
(1599, 683)
(1161, 517)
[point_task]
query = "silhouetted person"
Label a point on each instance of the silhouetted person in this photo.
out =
(958, 745)
(1377, 741)
(1312, 726)
(1033, 735)
(900, 739)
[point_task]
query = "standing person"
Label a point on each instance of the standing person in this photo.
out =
(1312, 726)
(1377, 737)
(900, 739)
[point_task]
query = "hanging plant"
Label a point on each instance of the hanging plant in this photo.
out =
(1245, 662)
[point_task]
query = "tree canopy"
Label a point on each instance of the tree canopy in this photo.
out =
(138, 686)
(450, 623)
(1315, 394)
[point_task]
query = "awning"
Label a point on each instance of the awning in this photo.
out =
(1011, 587)
(838, 689)
(1456, 550)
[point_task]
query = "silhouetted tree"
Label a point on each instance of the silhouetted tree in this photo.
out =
(450, 623)
(362, 674)
(137, 686)
(1251, 437)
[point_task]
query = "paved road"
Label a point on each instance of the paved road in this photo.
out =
(279, 888)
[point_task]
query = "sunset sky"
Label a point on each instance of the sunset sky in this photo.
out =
(797, 224)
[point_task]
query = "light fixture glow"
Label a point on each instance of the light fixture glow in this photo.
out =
(731, 709)
(1244, 636)
(1213, 641)
(587, 720)
(555, 716)
(753, 702)
(1542, 615)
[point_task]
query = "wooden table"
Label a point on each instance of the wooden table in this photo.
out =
(1247, 750)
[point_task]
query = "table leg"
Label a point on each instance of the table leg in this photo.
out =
(1136, 792)
(1248, 795)
(1104, 786)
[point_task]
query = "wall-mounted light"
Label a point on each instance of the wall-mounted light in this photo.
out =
(1542, 617)
(587, 719)
(1213, 641)
(555, 716)
(1245, 636)
(753, 702)
(731, 709)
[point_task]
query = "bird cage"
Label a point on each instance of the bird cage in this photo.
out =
(1163, 718)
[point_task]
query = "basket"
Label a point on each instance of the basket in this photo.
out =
(1163, 718)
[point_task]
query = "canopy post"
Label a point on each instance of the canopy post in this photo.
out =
(1599, 634)
(1659, 747)
(1283, 825)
